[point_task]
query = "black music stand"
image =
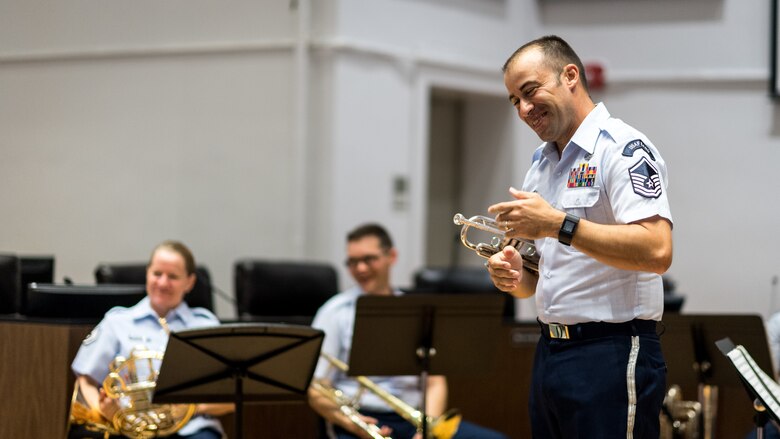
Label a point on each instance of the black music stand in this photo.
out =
(693, 361)
(762, 389)
(238, 363)
(424, 334)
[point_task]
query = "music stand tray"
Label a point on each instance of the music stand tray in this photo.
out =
(422, 334)
(688, 342)
(695, 364)
(761, 388)
(237, 363)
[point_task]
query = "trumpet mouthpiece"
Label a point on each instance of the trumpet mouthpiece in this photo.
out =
(458, 219)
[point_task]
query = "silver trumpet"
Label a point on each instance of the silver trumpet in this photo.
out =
(525, 247)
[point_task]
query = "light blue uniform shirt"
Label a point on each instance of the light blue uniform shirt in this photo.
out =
(773, 335)
(609, 173)
(123, 329)
(336, 318)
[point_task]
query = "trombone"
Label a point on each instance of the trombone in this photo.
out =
(525, 247)
(442, 427)
(347, 408)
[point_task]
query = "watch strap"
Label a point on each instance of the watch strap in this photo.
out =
(568, 227)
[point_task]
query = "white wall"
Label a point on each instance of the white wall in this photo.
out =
(125, 123)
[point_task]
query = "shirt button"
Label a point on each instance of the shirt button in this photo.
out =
(547, 274)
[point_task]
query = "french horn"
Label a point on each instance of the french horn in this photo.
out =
(131, 382)
(525, 247)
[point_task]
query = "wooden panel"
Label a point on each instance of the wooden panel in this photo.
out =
(37, 383)
(499, 398)
(288, 420)
(36, 378)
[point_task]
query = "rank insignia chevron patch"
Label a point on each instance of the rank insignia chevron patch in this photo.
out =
(645, 179)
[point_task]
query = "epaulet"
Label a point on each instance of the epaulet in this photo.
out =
(613, 127)
(201, 312)
(628, 140)
(118, 310)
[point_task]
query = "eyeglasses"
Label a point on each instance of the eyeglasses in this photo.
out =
(368, 260)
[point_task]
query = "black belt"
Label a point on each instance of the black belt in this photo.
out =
(581, 331)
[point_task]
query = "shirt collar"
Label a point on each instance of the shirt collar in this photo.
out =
(359, 291)
(143, 309)
(589, 130)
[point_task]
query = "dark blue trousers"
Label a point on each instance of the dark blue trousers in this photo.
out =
(404, 430)
(770, 432)
(600, 386)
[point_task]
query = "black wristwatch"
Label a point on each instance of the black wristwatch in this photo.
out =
(568, 227)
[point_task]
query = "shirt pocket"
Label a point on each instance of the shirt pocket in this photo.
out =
(584, 202)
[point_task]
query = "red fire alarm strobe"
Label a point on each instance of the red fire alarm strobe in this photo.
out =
(595, 73)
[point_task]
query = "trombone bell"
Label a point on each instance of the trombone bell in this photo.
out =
(525, 247)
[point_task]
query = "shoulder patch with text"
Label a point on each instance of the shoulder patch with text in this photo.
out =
(633, 145)
(645, 179)
(91, 337)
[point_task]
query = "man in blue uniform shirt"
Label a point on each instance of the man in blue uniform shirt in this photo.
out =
(370, 256)
(594, 201)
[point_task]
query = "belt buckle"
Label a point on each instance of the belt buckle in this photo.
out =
(559, 331)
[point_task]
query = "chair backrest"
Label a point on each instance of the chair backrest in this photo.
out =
(673, 302)
(10, 284)
(80, 302)
(135, 273)
(282, 291)
(459, 280)
(39, 269)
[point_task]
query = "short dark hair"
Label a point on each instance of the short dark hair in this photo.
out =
(557, 53)
(371, 229)
(179, 248)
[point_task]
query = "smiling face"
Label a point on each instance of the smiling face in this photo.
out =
(369, 264)
(167, 280)
(544, 98)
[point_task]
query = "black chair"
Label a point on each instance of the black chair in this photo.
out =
(84, 303)
(10, 284)
(289, 292)
(673, 302)
(39, 269)
(135, 273)
(460, 280)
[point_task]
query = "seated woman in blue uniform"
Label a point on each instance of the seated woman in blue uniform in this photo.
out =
(169, 277)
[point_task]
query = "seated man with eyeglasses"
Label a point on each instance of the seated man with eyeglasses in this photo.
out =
(370, 256)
